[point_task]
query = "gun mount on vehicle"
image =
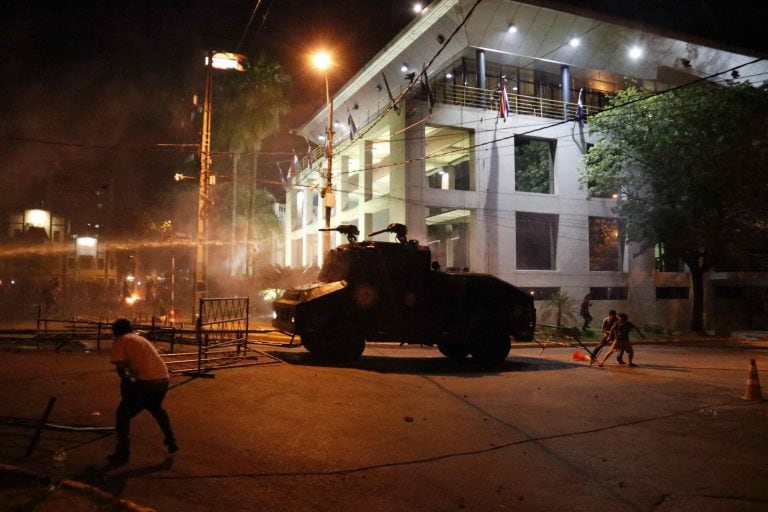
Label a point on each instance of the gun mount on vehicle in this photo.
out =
(383, 291)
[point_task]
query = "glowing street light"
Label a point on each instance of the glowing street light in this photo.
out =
(322, 62)
(213, 60)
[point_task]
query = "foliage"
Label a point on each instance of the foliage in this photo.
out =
(606, 244)
(283, 277)
(533, 161)
(249, 105)
(562, 306)
(690, 168)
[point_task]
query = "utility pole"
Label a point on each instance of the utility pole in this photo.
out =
(330, 200)
(203, 196)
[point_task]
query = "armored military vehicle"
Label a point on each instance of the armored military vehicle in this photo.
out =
(384, 291)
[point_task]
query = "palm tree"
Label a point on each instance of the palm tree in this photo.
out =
(249, 107)
(563, 307)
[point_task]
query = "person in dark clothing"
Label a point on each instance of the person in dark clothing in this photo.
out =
(605, 326)
(620, 334)
(143, 385)
(584, 311)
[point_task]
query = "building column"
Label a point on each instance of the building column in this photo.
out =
(480, 58)
(565, 81)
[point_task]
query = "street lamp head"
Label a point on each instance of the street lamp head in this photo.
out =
(227, 60)
(322, 60)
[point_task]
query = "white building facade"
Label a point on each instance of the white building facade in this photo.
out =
(488, 194)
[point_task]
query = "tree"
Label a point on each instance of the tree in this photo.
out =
(690, 167)
(251, 104)
(563, 307)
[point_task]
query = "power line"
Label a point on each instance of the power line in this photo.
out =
(248, 25)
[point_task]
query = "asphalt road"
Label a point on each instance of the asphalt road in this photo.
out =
(406, 429)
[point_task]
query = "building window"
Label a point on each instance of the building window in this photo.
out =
(534, 165)
(85, 262)
(606, 244)
(448, 163)
(666, 262)
(671, 292)
(536, 241)
(542, 292)
(729, 292)
(448, 237)
(609, 293)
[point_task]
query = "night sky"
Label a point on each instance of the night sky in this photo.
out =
(89, 86)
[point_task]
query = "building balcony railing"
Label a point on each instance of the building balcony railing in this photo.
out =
(473, 97)
(518, 103)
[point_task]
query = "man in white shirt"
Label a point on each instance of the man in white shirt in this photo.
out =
(143, 385)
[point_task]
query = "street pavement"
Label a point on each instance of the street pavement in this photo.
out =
(406, 429)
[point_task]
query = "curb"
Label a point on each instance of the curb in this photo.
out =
(35, 481)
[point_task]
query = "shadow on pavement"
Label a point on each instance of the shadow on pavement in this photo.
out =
(110, 479)
(427, 365)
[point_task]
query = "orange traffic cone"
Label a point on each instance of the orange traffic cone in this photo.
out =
(578, 356)
(752, 391)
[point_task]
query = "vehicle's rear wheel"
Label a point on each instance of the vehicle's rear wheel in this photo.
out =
(490, 345)
(456, 351)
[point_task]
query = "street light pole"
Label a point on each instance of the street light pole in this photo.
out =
(213, 60)
(322, 61)
(328, 193)
(203, 196)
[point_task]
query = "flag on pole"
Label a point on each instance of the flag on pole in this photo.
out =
(282, 176)
(504, 101)
(427, 90)
(294, 164)
(309, 156)
(580, 117)
(352, 126)
(389, 92)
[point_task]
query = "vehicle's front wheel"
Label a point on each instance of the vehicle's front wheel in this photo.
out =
(312, 342)
(347, 347)
(455, 351)
(490, 345)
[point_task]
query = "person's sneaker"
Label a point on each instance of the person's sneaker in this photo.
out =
(633, 365)
(118, 458)
(620, 361)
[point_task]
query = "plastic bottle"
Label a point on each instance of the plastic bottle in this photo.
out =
(58, 462)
